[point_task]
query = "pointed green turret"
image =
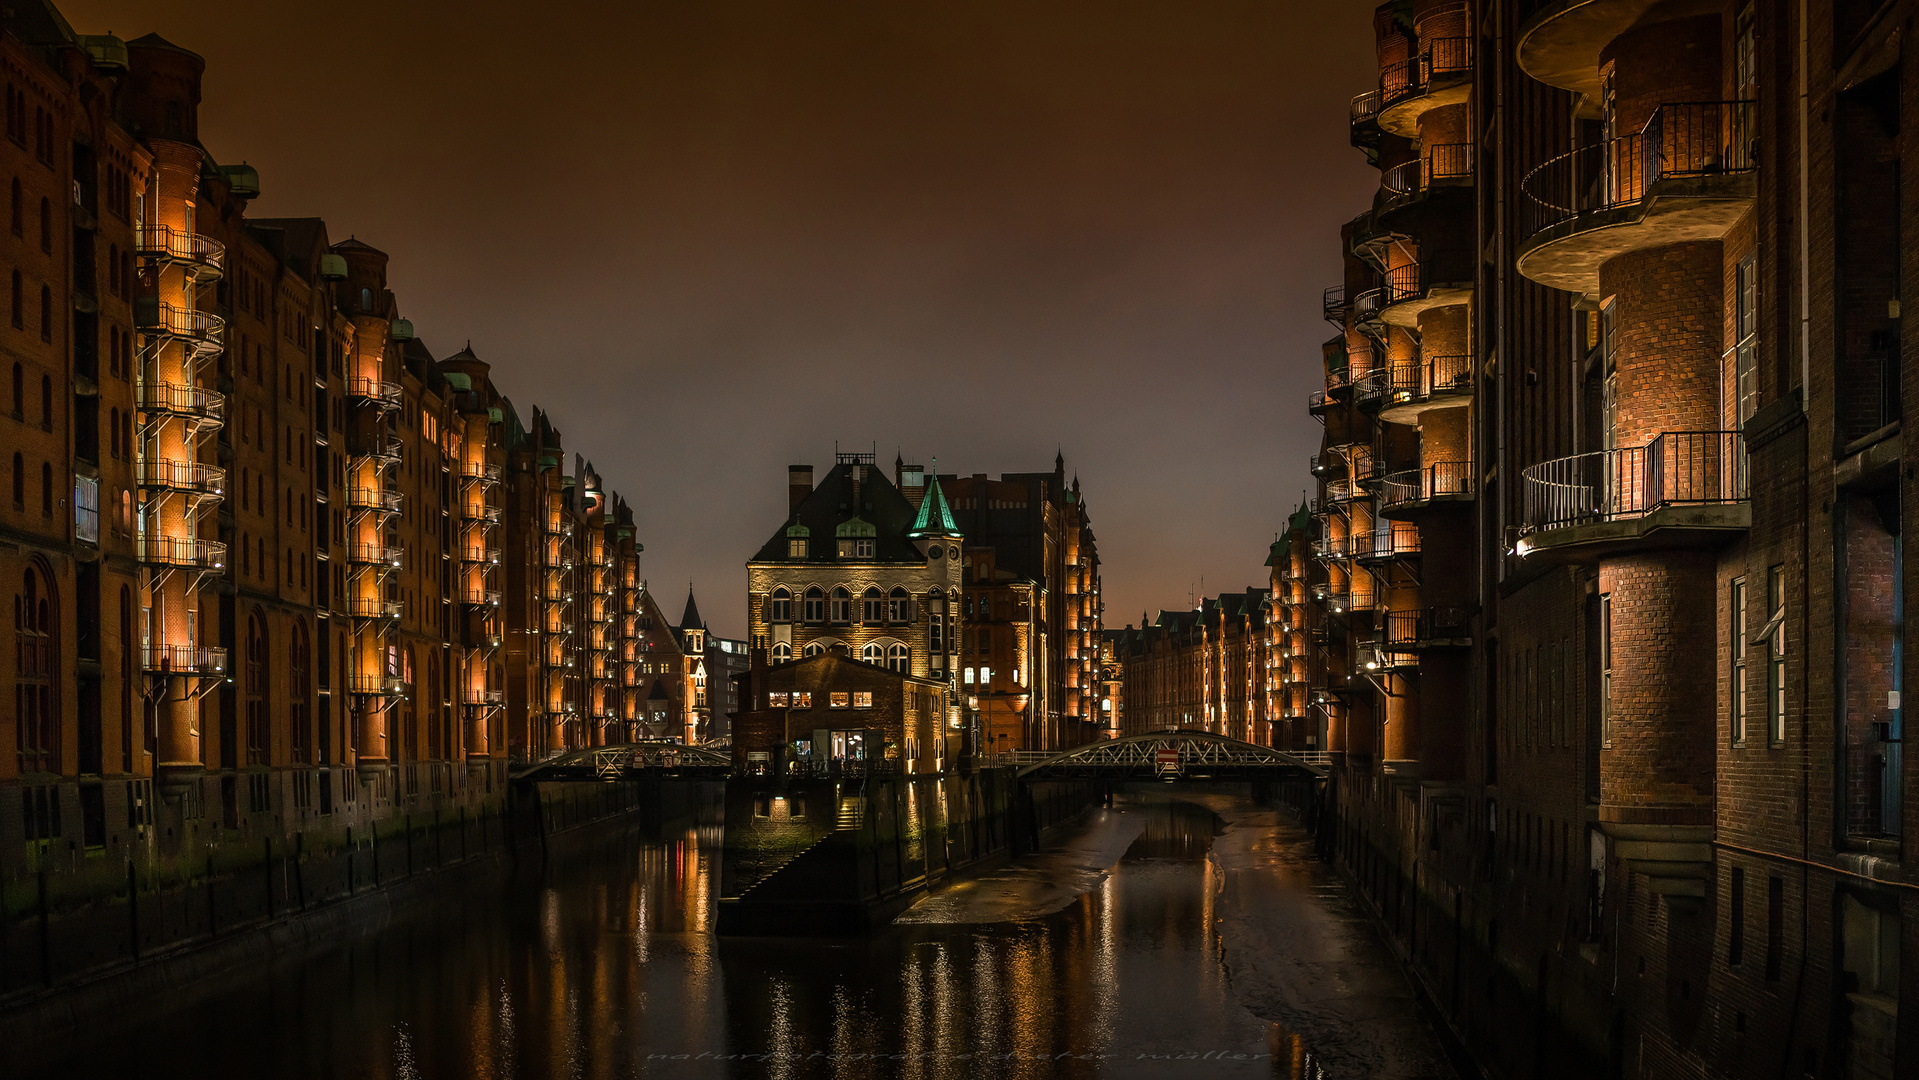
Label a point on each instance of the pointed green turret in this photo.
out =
(935, 518)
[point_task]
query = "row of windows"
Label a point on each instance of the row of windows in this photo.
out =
(817, 606)
(894, 657)
(18, 307)
(17, 215)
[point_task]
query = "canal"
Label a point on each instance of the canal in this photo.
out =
(1189, 936)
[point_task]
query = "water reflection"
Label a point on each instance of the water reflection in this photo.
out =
(602, 966)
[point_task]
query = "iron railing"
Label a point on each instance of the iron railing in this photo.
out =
(180, 551)
(1364, 108)
(373, 554)
(373, 499)
(1332, 305)
(182, 400)
(1418, 380)
(168, 475)
(372, 607)
(1677, 468)
(1439, 58)
(1441, 479)
(1444, 161)
(178, 245)
(377, 685)
(1684, 139)
(184, 659)
(381, 391)
(203, 328)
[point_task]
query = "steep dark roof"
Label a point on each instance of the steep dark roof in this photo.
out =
(691, 620)
(831, 504)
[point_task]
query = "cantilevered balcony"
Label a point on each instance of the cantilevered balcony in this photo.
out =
(1338, 389)
(188, 477)
(376, 685)
(373, 555)
(1689, 174)
(1441, 74)
(1438, 279)
(375, 499)
(175, 399)
(201, 256)
(200, 660)
(200, 331)
(1682, 489)
(380, 392)
(372, 607)
(1403, 494)
(480, 595)
(484, 699)
(1560, 44)
(1332, 305)
(475, 553)
(178, 551)
(1440, 166)
(1430, 382)
(1398, 542)
(483, 471)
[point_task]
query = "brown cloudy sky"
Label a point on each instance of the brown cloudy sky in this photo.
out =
(713, 237)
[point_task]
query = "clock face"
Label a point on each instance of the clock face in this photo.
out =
(935, 551)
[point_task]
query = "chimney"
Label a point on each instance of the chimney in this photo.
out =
(799, 484)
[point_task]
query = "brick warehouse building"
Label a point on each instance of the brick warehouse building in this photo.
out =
(1205, 669)
(275, 568)
(1604, 625)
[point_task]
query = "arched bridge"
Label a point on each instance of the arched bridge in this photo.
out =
(655, 757)
(1177, 754)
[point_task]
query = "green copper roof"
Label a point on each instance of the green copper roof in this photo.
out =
(798, 530)
(936, 518)
(852, 526)
(1276, 555)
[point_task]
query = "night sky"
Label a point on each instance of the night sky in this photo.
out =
(712, 238)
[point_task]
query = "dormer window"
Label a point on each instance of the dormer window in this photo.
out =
(856, 548)
(796, 548)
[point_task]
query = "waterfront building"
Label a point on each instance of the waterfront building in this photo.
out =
(828, 714)
(276, 568)
(1031, 609)
(1204, 669)
(1608, 610)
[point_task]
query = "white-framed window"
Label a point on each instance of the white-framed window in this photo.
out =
(1775, 636)
(899, 658)
(899, 607)
(796, 547)
(814, 605)
(841, 610)
(872, 607)
(780, 607)
(862, 699)
(1736, 675)
(782, 653)
(873, 654)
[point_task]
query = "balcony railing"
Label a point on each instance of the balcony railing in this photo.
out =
(182, 552)
(1430, 376)
(184, 659)
(485, 699)
(190, 476)
(372, 607)
(1442, 162)
(1690, 139)
(201, 328)
(179, 400)
(379, 391)
(476, 594)
(480, 555)
(1441, 479)
(1385, 543)
(1678, 468)
(373, 499)
(1365, 108)
(474, 512)
(203, 253)
(1332, 305)
(479, 470)
(373, 555)
(376, 685)
(1440, 58)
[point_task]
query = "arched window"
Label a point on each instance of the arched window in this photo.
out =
(781, 607)
(46, 226)
(782, 653)
(899, 657)
(815, 649)
(900, 607)
(842, 609)
(36, 691)
(815, 605)
(259, 714)
(874, 654)
(872, 607)
(366, 299)
(299, 716)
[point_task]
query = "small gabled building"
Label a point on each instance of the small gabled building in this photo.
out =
(831, 715)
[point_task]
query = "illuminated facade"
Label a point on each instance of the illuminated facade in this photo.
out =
(276, 568)
(1607, 616)
(1204, 669)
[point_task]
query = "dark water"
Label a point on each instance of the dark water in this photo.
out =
(604, 966)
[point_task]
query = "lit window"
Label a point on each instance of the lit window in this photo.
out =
(782, 653)
(838, 699)
(802, 699)
(985, 675)
(776, 699)
(969, 676)
(862, 699)
(796, 548)
(873, 654)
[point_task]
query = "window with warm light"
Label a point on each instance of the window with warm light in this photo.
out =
(838, 699)
(862, 699)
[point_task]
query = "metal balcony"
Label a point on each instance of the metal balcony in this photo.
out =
(174, 399)
(475, 594)
(202, 660)
(1332, 305)
(487, 555)
(182, 552)
(1443, 164)
(484, 699)
(1686, 175)
(191, 477)
(479, 470)
(202, 256)
(1412, 489)
(376, 685)
(1430, 382)
(202, 331)
(380, 392)
(1439, 75)
(1400, 541)
(373, 555)
(377, 499)
(1691, 485)
(372, 607)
